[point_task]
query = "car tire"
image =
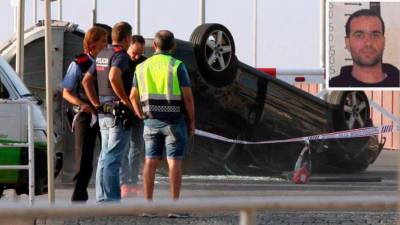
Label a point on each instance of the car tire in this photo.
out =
(214, 50)
(351, 109)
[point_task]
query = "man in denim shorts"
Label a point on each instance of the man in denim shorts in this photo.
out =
(161, 94)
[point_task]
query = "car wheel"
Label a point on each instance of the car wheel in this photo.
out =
(214, 49)
(351, 109)
(1, 192)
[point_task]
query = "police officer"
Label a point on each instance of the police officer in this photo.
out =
(84, 132)
(162, 86)
(111, 71)
(131, 160)
(108, 29)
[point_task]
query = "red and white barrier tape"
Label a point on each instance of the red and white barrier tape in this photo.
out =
(361, 132)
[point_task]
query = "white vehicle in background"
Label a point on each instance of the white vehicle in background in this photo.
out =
(14, 129)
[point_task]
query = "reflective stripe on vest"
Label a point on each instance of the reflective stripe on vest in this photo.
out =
(158, 86)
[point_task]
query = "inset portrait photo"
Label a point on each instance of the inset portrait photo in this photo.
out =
(363, 45)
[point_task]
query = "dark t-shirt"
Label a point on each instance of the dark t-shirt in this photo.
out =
(133, 64)
(345, 79)
(119, 59)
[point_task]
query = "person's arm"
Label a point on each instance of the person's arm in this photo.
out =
(71, 98)
(118, 86)
(134, 97)
(119, 63)
(184, 82)
(189, 105)
(89, 86)
(69, 83)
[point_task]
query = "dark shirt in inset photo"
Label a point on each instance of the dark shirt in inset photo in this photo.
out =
(345, 78)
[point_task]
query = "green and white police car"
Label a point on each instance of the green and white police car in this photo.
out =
(14, 129)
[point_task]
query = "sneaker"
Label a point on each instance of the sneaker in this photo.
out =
(178, 215)
(136, 190)
(131, 190)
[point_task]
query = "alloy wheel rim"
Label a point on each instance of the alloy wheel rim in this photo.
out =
(218, 50)
(355, 110)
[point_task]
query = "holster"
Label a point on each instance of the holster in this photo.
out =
(125, 115)
(120, 112)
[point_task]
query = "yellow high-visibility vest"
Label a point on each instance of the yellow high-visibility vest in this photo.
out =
(158, 85)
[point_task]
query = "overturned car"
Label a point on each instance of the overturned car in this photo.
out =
(237, 101)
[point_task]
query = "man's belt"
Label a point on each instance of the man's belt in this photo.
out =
(119, 111)
(107, 108)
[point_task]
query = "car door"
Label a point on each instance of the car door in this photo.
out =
(10, 114)
(10, 131)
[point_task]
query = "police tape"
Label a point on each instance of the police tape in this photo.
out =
(355, 133)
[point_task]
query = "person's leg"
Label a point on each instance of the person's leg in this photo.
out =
(125, 172)
(175, 177)
(87, 155)
(80, 128)
(118, 142)
(136, 153)
(86, 136)
(175, 145)
(105, 124)
(153, 147)
(149, 172)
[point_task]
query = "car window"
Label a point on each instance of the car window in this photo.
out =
(12, 79)
(248, 81)
(3, 92)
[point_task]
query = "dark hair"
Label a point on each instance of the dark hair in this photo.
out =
(363, 12)
(107, 28)
(120, 31)
(164, 39)
(93, 35)
(138, 38)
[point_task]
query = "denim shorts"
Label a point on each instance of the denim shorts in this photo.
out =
(171, 137)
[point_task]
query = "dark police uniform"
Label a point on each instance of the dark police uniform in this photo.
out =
(85, 135)
(108, 57)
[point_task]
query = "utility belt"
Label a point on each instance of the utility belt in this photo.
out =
(71, 111)
(76, 109)
(120, 112)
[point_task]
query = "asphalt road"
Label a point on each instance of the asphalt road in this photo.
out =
(379, 179)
